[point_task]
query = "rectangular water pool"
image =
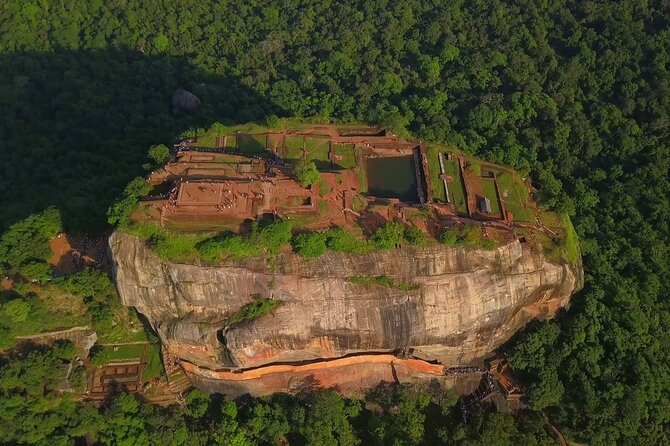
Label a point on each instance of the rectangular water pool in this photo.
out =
(392, 177)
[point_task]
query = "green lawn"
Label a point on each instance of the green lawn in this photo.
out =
(102, 355)
(490, 193)
(456, 192)
(169, 245)
(346, 151)
(206, 140)
(231, 142)
(434, 174)
(361, 172)
(154, 367)
(515, 196)
(551, 219)
(251, 143)
(317, 151)
(294, 143)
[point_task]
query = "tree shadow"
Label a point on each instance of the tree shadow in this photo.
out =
(77, 125)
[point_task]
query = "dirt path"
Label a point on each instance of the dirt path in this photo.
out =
(554, 429)
(388, 359)
(53, 333)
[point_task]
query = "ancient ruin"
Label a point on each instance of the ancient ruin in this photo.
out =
(463, 302)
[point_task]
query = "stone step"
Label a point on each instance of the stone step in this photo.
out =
(180, 384)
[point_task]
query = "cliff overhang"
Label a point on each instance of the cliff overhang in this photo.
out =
(466, 302)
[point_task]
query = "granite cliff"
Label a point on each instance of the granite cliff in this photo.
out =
(466, 303)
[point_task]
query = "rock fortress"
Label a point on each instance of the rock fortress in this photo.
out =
(415, 312)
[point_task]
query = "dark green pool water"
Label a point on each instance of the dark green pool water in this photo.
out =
(392, 178)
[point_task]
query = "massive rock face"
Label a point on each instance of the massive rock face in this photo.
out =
(467, 303)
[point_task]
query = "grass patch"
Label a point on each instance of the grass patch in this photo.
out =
(551, 219)
(251, 143)
(456, 192)
(40, 310)
(104, 354)
(265, 238)
(294, 146)
(317, 150)
(571, 240)
(361, 172)
(259, 307)
(341, 240)
(563, 248)
(154, 367)
(359, 203)
(383, 281)
(173, 246)
(515, 196)
(345, 156)
(466, 236)
(324, 188)
(490, 193)
(436, 185)
(475, 168)
(207, 140)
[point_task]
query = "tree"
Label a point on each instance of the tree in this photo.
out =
(40, 272)
(161, 43)
(341, 240)
(327, 420)
(414, 236)
(159, 153)
(28, 240)
(309, 244)
(388, 235)
(197, 403)
(306, 174)
(119, 213)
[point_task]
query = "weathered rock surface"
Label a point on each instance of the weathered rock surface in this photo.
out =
(184, 101)
(468, 302)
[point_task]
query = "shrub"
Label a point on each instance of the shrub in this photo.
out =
(235, 246)
(341, 240)
(218, 128)
(40, 272)
(466, 236)
(384, 281)
(259, 307)
(89, 282)
(272, 121)
(306, 174)
(120, 212)
(449, 237)
(17, 310)
(270, 237)
(310, 244)
(274, 235)
(64, 349)
(414, 236)
(159, 153)
(388, 235)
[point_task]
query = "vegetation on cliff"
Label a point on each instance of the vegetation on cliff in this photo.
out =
(259, 307)
(383, 281)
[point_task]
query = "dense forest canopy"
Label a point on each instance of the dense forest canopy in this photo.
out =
(575, 94)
